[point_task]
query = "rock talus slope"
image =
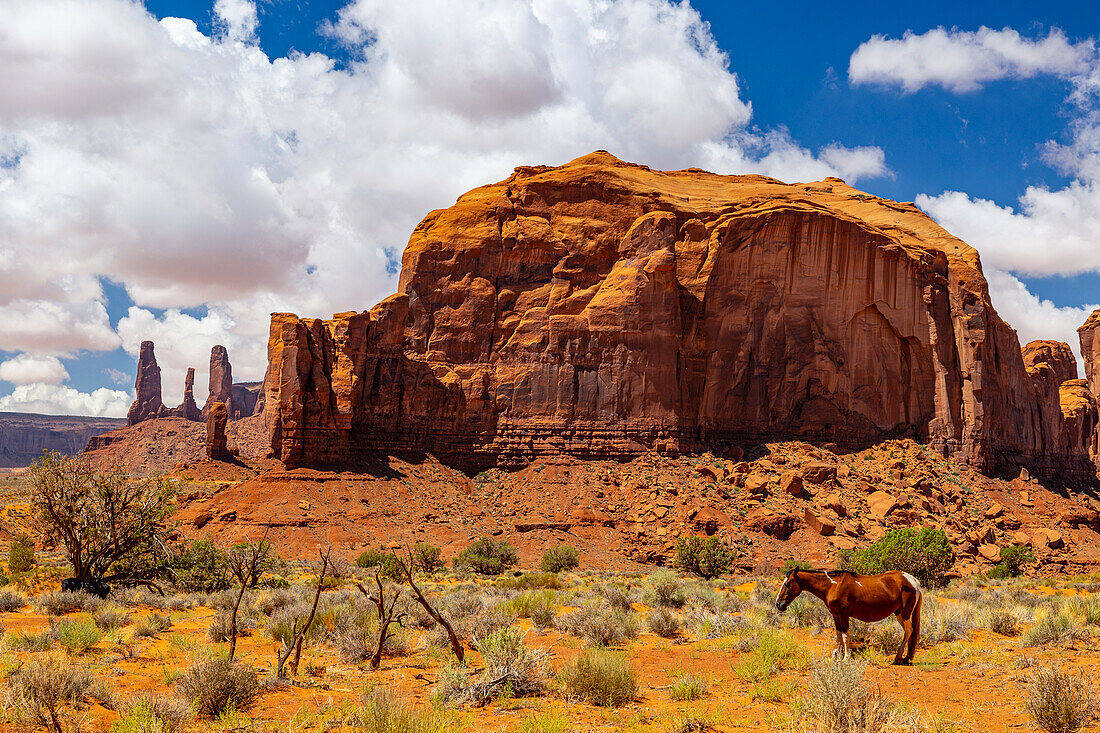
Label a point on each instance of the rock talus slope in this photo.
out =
(604, 309)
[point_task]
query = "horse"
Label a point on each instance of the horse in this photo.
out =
(864, 597)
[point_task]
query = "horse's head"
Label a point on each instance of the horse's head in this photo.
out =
(788, 591)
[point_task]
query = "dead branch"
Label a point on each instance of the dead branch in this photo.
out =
(456, 645)
(386, 615)
(298, 635)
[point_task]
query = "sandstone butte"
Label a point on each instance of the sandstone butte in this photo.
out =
(605, 309)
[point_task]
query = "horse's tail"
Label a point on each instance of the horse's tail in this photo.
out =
(914, 619)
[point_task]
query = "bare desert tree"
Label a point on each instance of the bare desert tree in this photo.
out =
(112, 527)
(387, 614)
(247, 562)
(298, 635)
(409, 572)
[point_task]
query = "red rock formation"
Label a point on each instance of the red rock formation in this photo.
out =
(1056, 355)
(188, 409)
(147, 402)
(216, 446)
(604, 308)
(1066, 414)
(221, 380)
(1090, 350)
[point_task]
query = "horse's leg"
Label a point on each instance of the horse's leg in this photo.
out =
(914, 622)
(842, 637)
(907, 628)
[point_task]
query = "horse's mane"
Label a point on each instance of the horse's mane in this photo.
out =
(792, 571)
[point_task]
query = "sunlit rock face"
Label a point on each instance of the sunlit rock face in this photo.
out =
(601, 308)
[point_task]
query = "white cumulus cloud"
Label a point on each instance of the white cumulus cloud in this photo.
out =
(29, 368)
(53, 399)
(962, 61)
(197, 171)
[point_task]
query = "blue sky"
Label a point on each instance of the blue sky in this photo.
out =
(287, 106)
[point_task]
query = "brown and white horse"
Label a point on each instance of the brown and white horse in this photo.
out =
(864, 597)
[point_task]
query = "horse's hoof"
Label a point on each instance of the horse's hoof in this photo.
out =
(902, 662)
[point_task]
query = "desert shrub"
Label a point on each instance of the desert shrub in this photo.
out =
(530, 581)
(487, 556)
(78, 635)
(544, 603)
(700, 595)
(145, 714)
(942, 623)
(221, 628)
(600, 678)
(387, 563)
(384, 711)
(428, 558)
(559, 559)
(1054, 628)
(357, 638)
(269, 602)
(599, 624)
(202, 567)
(111, 617)
(774, 650)
(152, 625)
(809, 613)
(213, 685)
(1086, 608)
(707, 625)
(1058, 702)
(923, 552)
(509, 661)
(1003, 621)
(1012, 560)
(839, 701)
(60, 602)
(40, 691)
(616, 594)
(707, 557)
(789, 565)
(885, 637)
(664, 588)
(688, 687)
(29, 641)
(21, 554)
(663, 622)
(11, 601)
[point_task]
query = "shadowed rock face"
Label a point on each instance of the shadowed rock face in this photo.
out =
(602, 308)
(216, 446)
(147, 401)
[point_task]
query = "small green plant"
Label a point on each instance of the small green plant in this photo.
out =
(923, 552)
(21, 554)
(774, 651)
(29, 641)
(1058, 702)
(428, 558)
(1054, 628)
(1012, 561)
(663, 622)
(487, 556)
(560, 559)
(144, 714)
(664, 588)
(600, 678)
(387, 563)
(202, 567)
(78, 635)
(1003, 622)
(152, 625)
(707, 557)
(688, 687)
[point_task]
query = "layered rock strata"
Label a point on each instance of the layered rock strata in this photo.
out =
(606, 309)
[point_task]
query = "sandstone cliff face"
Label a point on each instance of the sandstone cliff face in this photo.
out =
(604, 308)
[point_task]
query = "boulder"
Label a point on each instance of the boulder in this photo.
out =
(709, 520)
(994, 510)
(776, 524)
(791, 483)
(756, 484)
(881, 504)
(817, 472)
(990, 552)
(836, 502)
(818, 523)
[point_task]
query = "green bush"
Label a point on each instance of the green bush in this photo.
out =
(78, 635)
(21, 555)
(924, 553)
(560, 559)
(707, 557)
(427, 558)
(600, 678)
(388, 564)
(487, 556)
(790, 565)
(1012, 560)
(202, 567)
